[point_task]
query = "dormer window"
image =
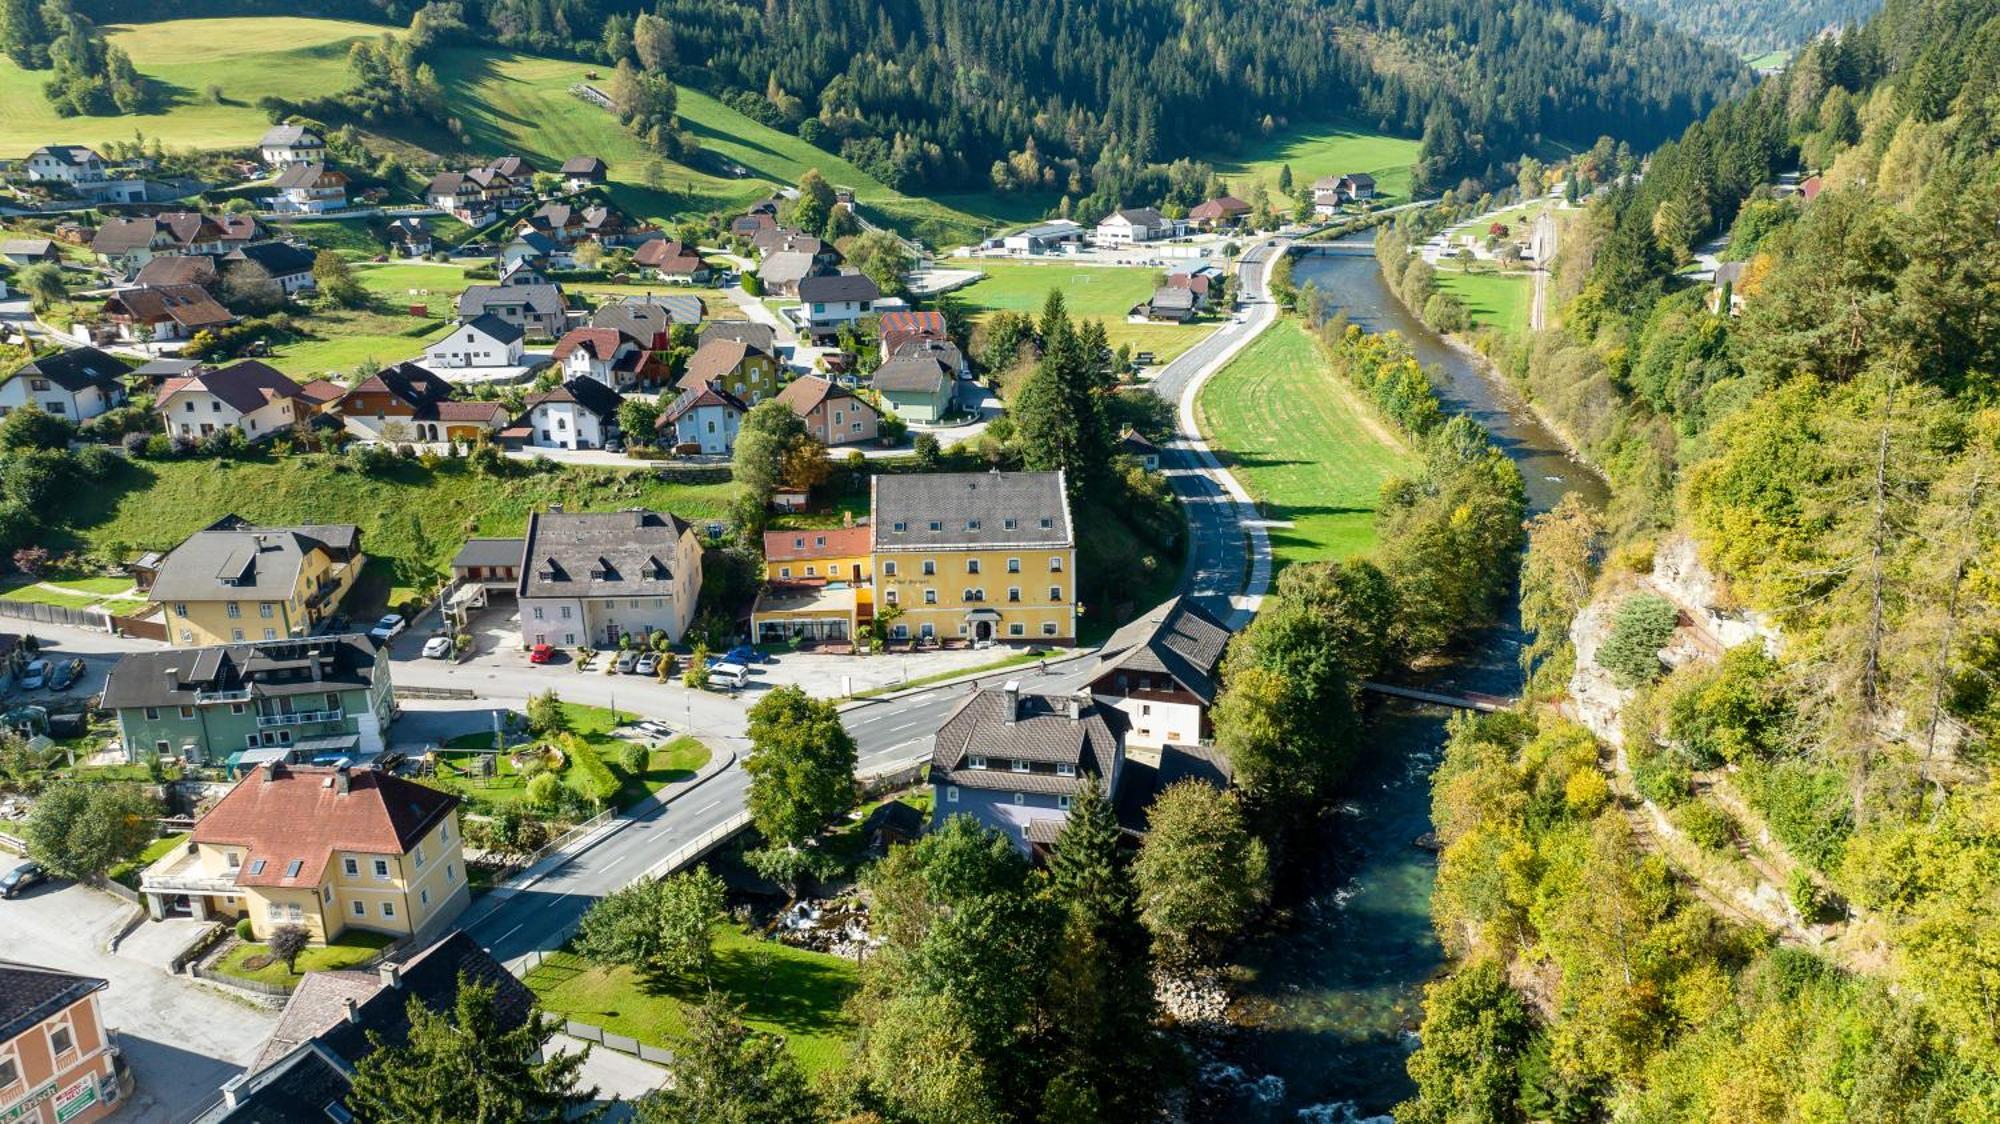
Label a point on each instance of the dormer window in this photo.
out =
(972, 524)
(937, 525)
(975, 762)
(901, 527)
(1007, 523)
(292, 868)
(257, 866)
(1065, 769)
(1017, 766)
(1047, 523)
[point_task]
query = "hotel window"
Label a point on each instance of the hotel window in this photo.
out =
(381, 870)
(972, 524)
(61, 1041)
(1013, 565)
(236, 635)
(785, 572)
(930, 596)
(10, 1072)
(889, 596)
(418, 855)
(1008, 523)
(1014, 593)
(930, 567)
(1017, 766)
(901, 527)
(1017, 629)
(264, 610)
(972, 565)
(1055, 564)
(1047, 523)
(270, 634)
(388, 909)
(352, 866)
(360, 910)
(936, 525)
(233, 610)
(888, 569)
(1048, 628)
(1055, 593)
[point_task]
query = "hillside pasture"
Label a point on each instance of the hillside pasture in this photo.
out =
(1315, 150)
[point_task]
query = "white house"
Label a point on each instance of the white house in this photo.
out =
(248, 396)
(605, 354)
(72, 164)
(310, 189)
(1043, 238)
(286, 145)
(1137, 224)
(80, 383)
(593, 578)
(579, 414)
(485, 341)
(704, 416)
(288, 265)
(836, 299)
(1163, 671)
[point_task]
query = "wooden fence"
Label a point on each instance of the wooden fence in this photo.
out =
(95, 619)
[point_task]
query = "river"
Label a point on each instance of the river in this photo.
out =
(1337, 996)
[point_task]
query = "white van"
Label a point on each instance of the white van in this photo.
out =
(727, 674)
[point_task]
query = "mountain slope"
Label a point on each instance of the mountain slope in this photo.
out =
(1753, 27)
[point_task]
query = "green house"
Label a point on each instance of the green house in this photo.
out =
(917, 387)
(313, 699)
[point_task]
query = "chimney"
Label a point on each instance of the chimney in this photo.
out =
(353, 1010)
(1012, 689)
(555, 509)
(232, 1089)
(343, 778)
(271, 770)
(1078, 702)
(392, 976)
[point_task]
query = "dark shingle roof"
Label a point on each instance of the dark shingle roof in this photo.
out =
(1176, 638)
(600, 554)
(179, 269)
(77, 369)
(838, 287)
(489, 552)
(237, 564)
(540, 299)
(970, 510)
(246, 385)
(493, 326)
(584, 391)
(266, 668)
(280, 259)
(1046, 730)
(919, 374)
(763, 337)
(29, 994)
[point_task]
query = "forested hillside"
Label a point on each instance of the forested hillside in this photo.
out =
(1088, 99)
(1833, 451)
(1752, 27)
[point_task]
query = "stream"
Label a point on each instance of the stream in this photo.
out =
(1338, 996)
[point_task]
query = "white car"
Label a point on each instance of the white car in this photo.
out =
(34, 675)
(727, 674)
(438, 648)
(387, 628)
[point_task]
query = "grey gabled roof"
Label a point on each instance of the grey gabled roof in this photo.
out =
(280, 259)
(1141, 216)
(300, 175)
(970, 510)
(838, 287)
(600, 554)
(77, 369)
(266, 668)
(491, 325)
(30, 993)
(763, 337)
(1044, 730)
(540, 299)
(586, 392)
(921, 373)
(247, 564)
(489, 552)
(290, 136)
(1176, 638)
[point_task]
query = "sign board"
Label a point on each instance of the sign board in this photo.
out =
(76, 1098)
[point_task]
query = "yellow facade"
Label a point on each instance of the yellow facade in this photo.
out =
(990, 593)
(849, 568)
(385, 893)
(200, 623)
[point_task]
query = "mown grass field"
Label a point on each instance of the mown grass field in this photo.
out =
(412, 519)
(782, 990)
(1315, 150)
(675, 761)
(1500, 301)
(1093, 292)
(1304, 444)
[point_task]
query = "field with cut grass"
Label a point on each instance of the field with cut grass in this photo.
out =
(1315, 150)
(782, 990)
(412, 519)
(1500, 301)
(1093, 292)
(1304, 443)
(113, 594)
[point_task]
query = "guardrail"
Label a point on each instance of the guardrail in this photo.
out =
(570, 836)
(696, 847)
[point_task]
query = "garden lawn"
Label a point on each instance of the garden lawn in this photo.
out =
(1496, 300)
(348, 950)
(676, 760)
(127, 873)
(71, 593)
(1304, 443)
(1315, 150)
(413, 519)
(1092, 292)
(782, 990)
(344, 338)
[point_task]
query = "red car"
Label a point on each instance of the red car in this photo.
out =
(541, 653)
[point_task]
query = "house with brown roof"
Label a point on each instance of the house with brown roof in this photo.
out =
(58, 1059)
(669, 259)
(253, 398)
(581, 173)
(833, 414)
(595, 577)
(741, 368)
(385, 406)
(607, 355)
(129, 243)
(310, 189)
(164, 312)
(1223, 210)
(179, 269)
(900, 326)
(327, 848)
(1163, 670)
(1015, 761)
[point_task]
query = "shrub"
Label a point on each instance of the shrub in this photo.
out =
(1809, 899)
(1806, 807)
(632, 758)
(136, 443)
(1711, 828)
(1643, 625)
(544, 790)
(244, 930)
(1663, 779)
(594, 778)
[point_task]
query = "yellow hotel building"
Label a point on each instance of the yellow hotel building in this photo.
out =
(975, 556)
(235, 584)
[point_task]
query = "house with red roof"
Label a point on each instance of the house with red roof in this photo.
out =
(668, 259)
(251, 397)
(327, 848)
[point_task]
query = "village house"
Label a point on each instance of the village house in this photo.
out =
(158, 313)
(570, 224)
(310, 189)
(817, 587)
(832, 301)
(667, 259)
(918, 387)
(460, 196)
(77, 384)
(130, 243)
(593, 578)
(832, 413)
(763, 337)
(1163, 671)
(581, 173)
(286, 145)
(1329, 192)
(1016, 761)
(1170, 303)
(239, 705)
(404, 403)
(30, 251)
(703, 419)
(484, 341)
(536, 308)
(610, 356)
(651, 317)
(73, 164)
(781, 272)
(579, 414)
(253, 398)
(898, 328)
(975, 555)
(235, 582)
(1221, 211)
(494, 564)
(744, 370)
(334, 1019)
(327, 848)
(1140, 448)
(536, 250)
(410, 236)
(59, 1062)
(288, 265)
(179, 269)
(1131, 226)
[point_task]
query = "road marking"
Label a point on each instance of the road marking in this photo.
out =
(508, 933)
(706, 807)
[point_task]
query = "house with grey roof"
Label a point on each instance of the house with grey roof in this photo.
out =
(1133, 225)
(917, 386)
(1169, 303)
(73, 164)
(650, 317)
(1163, 670)
(830, 301)
(582, 413)
(537, 309)
(975, 555)
(290, 266)
(252, 397)
(80, 383)
(235, 583)
(590, 578)
(285, 145)
(1015, 761)
(782, 271)
(29, 251)
(1044, 238)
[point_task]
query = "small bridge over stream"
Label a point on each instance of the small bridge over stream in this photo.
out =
(1463, 700)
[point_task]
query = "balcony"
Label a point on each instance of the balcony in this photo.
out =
(301, 717)
(210, 698)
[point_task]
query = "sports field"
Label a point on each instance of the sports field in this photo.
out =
(1304, 444)
(1496, 300)
(1321, 150)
